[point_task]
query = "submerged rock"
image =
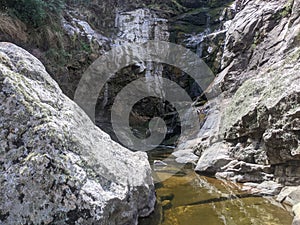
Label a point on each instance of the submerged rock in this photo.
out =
(56, 166)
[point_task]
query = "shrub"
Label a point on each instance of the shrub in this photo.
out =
(55, 6)
(33, 12)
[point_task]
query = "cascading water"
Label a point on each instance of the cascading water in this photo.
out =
(139, 26)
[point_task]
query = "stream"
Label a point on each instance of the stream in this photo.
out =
(187, 198)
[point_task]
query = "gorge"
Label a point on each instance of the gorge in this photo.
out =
(241, 166)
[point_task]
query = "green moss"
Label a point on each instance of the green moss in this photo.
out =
(85, 46)
(179, 7)
(186, 28)
(253, 46)
(171, 6)
(218, 3)
(213, 12)
(287, 10)
(294, 57)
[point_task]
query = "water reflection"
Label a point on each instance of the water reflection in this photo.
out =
(190, 199)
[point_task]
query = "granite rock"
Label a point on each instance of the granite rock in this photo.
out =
(56, 166)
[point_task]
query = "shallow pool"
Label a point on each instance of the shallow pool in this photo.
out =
(189, 199)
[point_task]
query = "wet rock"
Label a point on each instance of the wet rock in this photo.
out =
(213, 159)
(159, 163)
(226, 175)
(250, 39)
(288, 173)
(135, 26)
(56, 166)
(240, 171)
(166, 204)
(76, 27)
(210, 130)
(290, 195)
(296, 211)
(243, 167)
(154, 218)
(141, 25)
(243, 178)
(285, 192)
(212, 24)
(185, 156)
(264, 188)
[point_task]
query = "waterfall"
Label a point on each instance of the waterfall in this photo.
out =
(139, 26)
(196, 41)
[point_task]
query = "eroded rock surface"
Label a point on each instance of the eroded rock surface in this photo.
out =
(259, 108)
(259, 116)
(56, 166)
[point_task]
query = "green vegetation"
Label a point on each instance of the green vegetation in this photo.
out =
(61, 56)
(33, 12)
(171, 6)
(287, 10)
(85, 46)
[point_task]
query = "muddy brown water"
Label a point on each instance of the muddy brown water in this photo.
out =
(187, 198)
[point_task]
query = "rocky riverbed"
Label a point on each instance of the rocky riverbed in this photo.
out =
(188, 198)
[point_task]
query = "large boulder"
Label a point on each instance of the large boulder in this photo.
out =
(56, 166)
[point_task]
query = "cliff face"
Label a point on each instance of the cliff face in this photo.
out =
(257, 139)
(69, 44)
(260, 82)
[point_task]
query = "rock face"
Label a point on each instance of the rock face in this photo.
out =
(258, 36)
(255, 123)
(261, 85)
(213, 159)
(57, 167)
(137, 26)
(85, 31)
(251, 134)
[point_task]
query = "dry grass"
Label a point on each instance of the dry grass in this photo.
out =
(12, 29)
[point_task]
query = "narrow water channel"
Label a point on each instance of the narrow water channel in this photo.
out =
(189, 199)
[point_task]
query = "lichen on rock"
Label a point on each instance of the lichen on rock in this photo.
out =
(56, 166)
